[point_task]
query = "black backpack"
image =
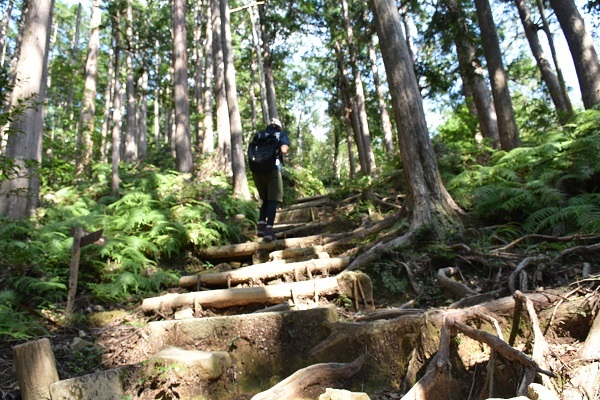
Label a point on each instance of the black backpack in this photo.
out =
(263, 151)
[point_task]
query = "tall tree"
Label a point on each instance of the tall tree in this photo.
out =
(560, 100)
(3, 31)
(19, 194)
(582, 50)
(507, 125)
(427, 200)
(473, 74)
(267, 62)
(260, 64)
(181, 98)
(359, 94)
(89, 92)
(117, 116)
(130, 147)
(223, 128)
(208, 138)
(238, 165)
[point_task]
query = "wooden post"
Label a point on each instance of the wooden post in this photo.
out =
(77, 233)
(36, 369)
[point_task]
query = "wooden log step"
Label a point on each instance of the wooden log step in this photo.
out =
(246, 250)
(274, 294)
(294, 253)
(266, 271)
(306, 214)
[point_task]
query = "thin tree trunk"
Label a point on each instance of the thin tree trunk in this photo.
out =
(143, 117)
(108, 93)
(557, 64)
(238, 166)
(181, 98)
(386, 123)
(582, 49)
(507, 126)
(223, 128)
(208, 142)
(117, 116)
(3, 29)
(267, 64)
(473, 76)
(199, 56)
(365, 135)
(19, 194)
(130, 147)
(89, 91)
(260, 62)
(560, 103)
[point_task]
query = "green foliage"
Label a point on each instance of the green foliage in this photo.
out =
(300, 182)
(551, 187)
(15, 323)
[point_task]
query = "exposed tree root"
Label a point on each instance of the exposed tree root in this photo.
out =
(311, 381)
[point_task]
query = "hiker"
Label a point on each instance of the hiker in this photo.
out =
(267, 177)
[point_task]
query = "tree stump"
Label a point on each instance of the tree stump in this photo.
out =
(36, 369)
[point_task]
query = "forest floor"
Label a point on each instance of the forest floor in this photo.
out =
(104, 336)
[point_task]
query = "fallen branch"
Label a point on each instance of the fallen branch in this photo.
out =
(312, 381)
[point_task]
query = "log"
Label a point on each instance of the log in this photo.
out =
(306, 214)
(35, 367)
(296, 253)
(245, 250)
(223, 298)
(311, 381)
(265, 272)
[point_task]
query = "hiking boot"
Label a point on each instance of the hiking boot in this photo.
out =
(260, 228)
(269, 234)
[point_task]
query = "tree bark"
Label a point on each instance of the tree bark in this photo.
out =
(238, 165)
(89, 91)
(359, 95)
(19, 193)
(181, 99)
(268, 63)
(208, 139)
(223, 124)
(560, 103)
(35, 367)
(582, 50)
(473, 76)
(507, 126)
(117, 116)
(427, 199)
(130, 145)
(260, 63)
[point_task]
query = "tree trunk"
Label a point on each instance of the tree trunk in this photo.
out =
(582, 50)
(557, 64)
(19, 193)
(238, 165)
(473, 76)
(116, 130)
(130, 147)
(89, 91)
(260, 63)
(386, 123)
(507, 126)
(108, 93)
(560, 103)
(35, 367)
(359, 98)
(223, 124)
(268, 64)
(427, 198)
(208, 139)
(181, 100)
(143, 117)
(3, 28)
